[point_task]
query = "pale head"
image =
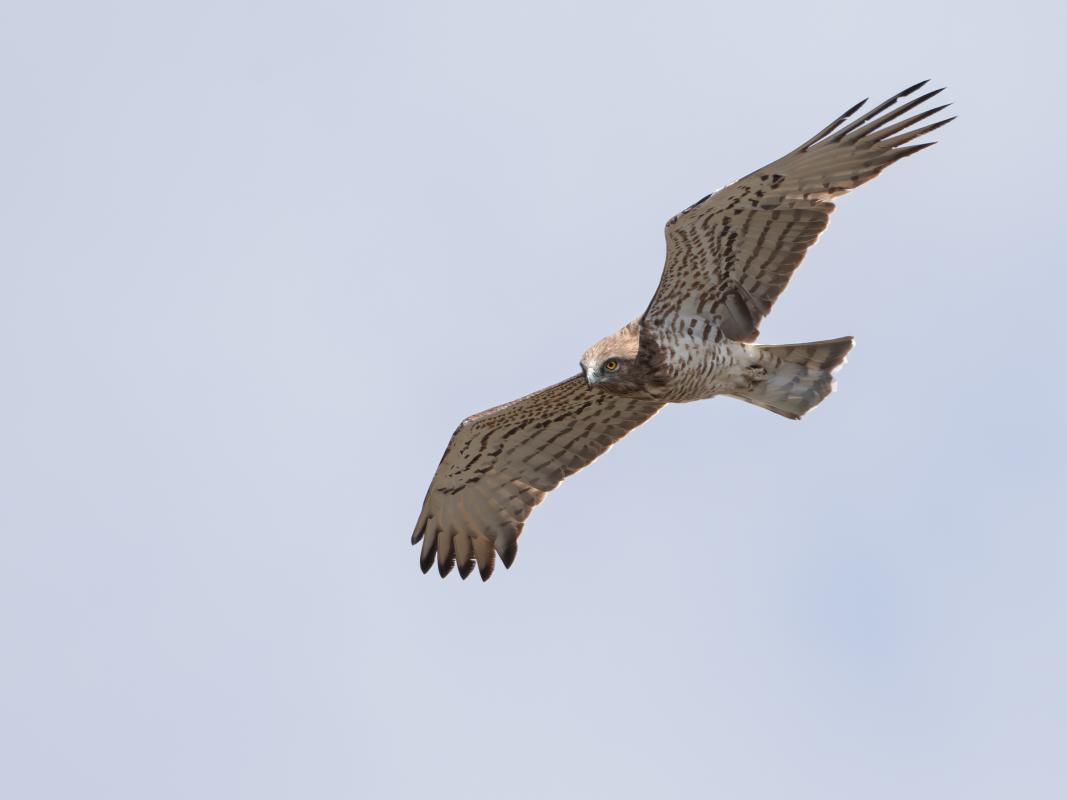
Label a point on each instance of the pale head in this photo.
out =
(611, 361)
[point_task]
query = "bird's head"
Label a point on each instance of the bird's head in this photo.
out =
(611, 363)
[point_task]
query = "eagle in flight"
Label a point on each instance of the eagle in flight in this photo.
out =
(729, 256)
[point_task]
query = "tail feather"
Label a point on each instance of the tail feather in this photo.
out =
(795, 377)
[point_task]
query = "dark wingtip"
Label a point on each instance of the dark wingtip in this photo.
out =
(855, 108)
(465, 569)
(914, 88)
(911, 150)
(446, 567)
(420, 529)
(426, 561)
(508, 554)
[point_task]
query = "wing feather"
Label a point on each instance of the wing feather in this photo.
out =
(501, 463)
(731, 254)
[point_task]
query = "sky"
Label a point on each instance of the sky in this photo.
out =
(259, 259)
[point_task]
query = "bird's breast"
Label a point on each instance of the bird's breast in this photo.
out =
(693, 365)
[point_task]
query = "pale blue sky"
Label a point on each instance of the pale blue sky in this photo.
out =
(258, 261)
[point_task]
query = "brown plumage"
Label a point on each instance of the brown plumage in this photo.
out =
(729, 257)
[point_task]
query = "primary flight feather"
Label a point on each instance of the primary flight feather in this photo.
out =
(729, 256)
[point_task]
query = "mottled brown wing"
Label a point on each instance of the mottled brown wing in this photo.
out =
(500, 464)
(732, 253)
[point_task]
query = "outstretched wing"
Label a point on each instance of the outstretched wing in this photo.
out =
(732, 253)
(500, 464)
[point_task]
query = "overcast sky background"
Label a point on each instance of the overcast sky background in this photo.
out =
(259, 259)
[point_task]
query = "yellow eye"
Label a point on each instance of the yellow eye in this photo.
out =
(611, 366)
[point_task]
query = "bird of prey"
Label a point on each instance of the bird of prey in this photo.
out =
(729, 256)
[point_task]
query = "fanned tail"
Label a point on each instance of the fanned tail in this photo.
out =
(797, 377)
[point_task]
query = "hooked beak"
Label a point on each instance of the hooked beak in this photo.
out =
(590, 376)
